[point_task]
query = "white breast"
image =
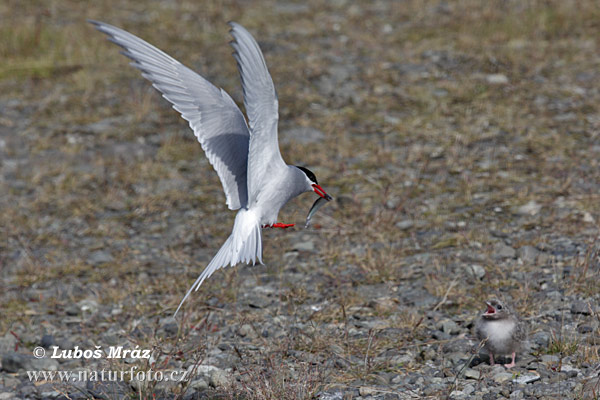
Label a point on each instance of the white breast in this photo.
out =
(499, 335)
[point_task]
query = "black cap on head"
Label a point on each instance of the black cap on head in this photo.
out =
(309, 174)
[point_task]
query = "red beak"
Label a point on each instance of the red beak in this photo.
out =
(319, 190)
(490, 310)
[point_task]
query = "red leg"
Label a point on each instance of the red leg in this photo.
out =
(491, 359)
(281, 225)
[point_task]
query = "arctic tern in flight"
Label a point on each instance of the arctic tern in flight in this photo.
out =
(255, 179)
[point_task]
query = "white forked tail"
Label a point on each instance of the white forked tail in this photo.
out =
(243, 245)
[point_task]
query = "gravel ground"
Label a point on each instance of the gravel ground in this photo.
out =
(460, 139)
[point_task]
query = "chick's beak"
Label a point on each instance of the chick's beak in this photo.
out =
(490, 309)
(319, 190)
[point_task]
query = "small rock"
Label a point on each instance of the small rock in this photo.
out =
(550, 358)
(366, 391)
(527, 378)
(541, 339)
(471, 373)
(581, 307)
(199, 384)
(246, 330)
(88, 306)
(476, 271)
(7, 395)
(528, 254)
(532, 208)
(309, 245)
(450, 327)
(405, 225)
(502, 377)
(99, 257)
(331, 395)
(502, 250)
(584, 329)
(7, 343)
(47, 341)
(517, 395)
(219, 378)
(496, 79)
(13, 362)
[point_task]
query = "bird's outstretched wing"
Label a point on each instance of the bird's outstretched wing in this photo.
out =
(260, 100)
(214, 117)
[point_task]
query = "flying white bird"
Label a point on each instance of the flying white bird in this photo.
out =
(255, 179)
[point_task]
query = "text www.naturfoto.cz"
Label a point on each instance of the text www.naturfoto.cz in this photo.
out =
(106, 375)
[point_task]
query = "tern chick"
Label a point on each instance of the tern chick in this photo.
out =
(501, 331)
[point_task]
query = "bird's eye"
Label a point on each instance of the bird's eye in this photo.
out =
(499, 307)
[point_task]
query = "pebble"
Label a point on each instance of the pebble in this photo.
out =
(471, 373)
(501, 250)
(405, 224)
(496, 79)
(581, 307)
(528, 377)
(528, 254)
(13, 362)
(531, 208)
(517, 395)
(308, 245)
(47, 341)
(476, 271)
(99, 257)
(549, 358)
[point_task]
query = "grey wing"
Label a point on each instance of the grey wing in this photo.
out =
(260, 100)
(217, 122)
(521, 330)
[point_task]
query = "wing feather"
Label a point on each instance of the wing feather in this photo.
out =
(260, 100)
(217, 122)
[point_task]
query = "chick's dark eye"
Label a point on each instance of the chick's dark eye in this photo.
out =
(499, 307)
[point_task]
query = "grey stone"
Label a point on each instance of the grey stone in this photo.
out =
(331, 395)
(517, 395)
(47, 341)
(541, 339)
(88, 306)
(199, 384)
(471, 373)
(219, 378)
(502, 250)
(581, 307)
(405, 224)
(99, 257)
(528, 254)
(528, 377)
(7, 395)
(308, 245)
(550, 358)
(529, 209)
(476, 270)
(496, 79)
(7, 343)
(448, 326)
(502, 377)
(13, 362)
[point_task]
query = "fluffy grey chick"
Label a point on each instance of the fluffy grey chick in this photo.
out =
(501, 331)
